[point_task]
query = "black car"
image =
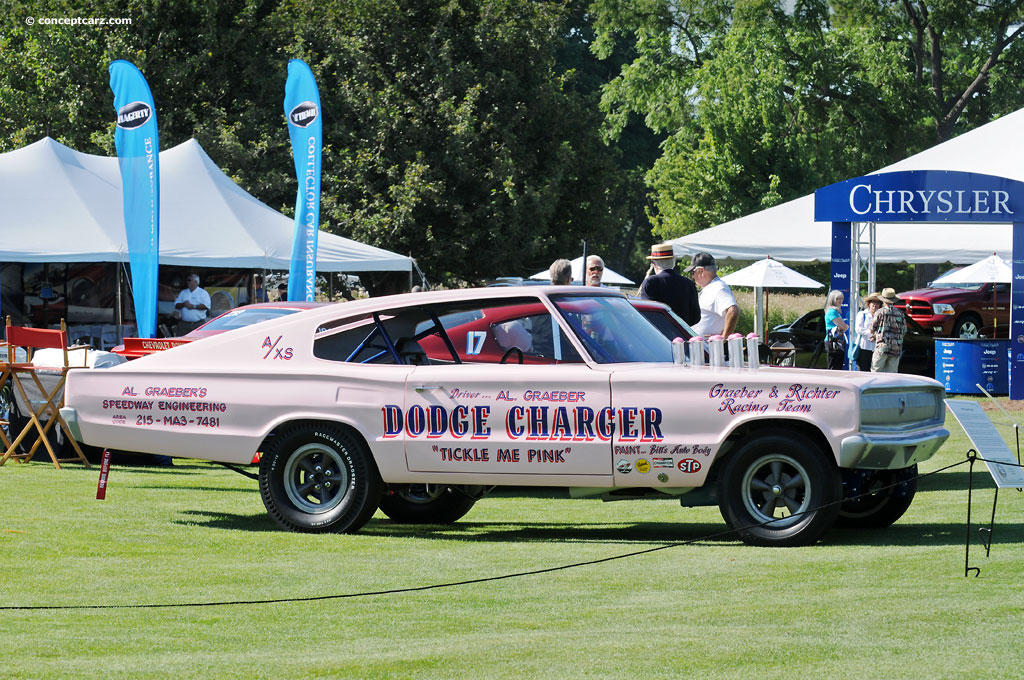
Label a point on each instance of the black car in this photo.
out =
(808, 331)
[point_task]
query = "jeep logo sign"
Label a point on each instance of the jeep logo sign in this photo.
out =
(303, 115)
(134, 115)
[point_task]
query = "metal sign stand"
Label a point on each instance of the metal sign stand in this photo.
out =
(1005, 471)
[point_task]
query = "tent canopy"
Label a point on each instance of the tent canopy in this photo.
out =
(610, 278)
(788, 231)
(61, 205)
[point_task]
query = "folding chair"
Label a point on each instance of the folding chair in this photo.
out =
(30, 339)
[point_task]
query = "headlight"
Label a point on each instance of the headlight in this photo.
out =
(901, 409)
(942, 308)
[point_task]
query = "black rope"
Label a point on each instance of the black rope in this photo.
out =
(244, 473)
(454, 584)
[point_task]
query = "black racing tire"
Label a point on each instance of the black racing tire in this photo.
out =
(968, 326)
(423, 504)
(317, 478)
(876, 498)
(779, 489)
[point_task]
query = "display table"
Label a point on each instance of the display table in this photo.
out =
(960, 365)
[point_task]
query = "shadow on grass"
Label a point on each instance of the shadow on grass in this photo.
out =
(642, 533)
(190, 487)
(226, 520)
(926, 534)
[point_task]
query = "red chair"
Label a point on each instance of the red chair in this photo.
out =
(25, 340)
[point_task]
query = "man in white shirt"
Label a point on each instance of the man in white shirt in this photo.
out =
(719, 311)
(193, 303)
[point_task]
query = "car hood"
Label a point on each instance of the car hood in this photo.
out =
(937, 294)
(778, 374)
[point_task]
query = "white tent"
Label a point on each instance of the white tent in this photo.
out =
(788, 231)
(610, 278)
(61, 205)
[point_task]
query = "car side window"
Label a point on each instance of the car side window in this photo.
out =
(502, 331)
(353, 340)
(537, 336)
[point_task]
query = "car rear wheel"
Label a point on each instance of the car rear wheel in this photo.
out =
(779, 489)
(318, 478)
(967, 326)
(426, 504)
(876, 498)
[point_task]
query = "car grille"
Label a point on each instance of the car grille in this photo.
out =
(901, 409)
(915, 307)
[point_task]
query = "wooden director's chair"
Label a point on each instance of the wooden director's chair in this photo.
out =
(28, 340)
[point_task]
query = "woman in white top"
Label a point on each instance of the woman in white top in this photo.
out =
(862, 327)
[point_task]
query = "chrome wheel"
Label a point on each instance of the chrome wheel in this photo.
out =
(315, 478)
(775, 488)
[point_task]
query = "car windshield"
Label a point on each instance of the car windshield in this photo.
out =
(963, 286)
(612, 330)
(241, 317)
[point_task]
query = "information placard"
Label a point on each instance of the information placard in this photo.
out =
(988, 443)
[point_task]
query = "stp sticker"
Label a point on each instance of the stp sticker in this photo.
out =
(689, 465)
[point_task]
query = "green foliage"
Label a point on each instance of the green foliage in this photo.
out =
(455, 131)
(763, 104)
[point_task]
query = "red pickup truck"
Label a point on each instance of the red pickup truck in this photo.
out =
(960, 310)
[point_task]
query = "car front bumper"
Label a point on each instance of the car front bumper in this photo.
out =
(890, 452)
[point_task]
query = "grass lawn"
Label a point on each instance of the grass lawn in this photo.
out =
(884, 604)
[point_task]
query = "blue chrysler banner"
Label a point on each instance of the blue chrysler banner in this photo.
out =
(305, 127)
(138, 154)
(921, 196)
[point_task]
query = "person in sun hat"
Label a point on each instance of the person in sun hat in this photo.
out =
(888, 327)
(665, 284)
(862, 331)
(719, 310)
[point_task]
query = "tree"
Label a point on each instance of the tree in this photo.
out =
(453, 135)
(452, 132)
(769, 104)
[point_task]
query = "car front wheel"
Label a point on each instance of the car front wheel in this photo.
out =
(968, 327)
(779, 489)
(319, 478)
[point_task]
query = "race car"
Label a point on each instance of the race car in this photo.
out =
(419, 404)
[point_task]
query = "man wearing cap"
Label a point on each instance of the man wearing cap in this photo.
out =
(719, 311)
(666, 285)
(889, 327)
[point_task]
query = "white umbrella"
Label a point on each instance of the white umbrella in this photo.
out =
(993, 269)
(768, 273)
(609, 277)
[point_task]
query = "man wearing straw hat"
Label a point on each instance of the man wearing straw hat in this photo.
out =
(668, 286)
(889, 327)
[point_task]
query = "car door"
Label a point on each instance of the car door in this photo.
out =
(506, 419)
